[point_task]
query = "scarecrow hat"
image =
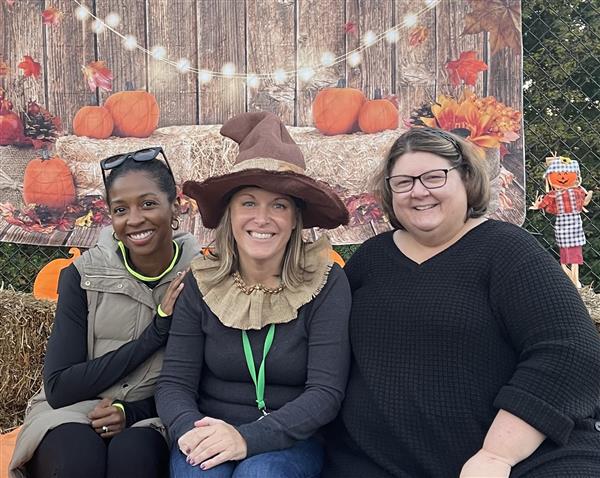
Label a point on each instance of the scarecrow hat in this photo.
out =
(270, 159)
(561, 164)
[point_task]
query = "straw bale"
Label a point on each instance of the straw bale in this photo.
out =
(83, 154)
(25, 325)
(592, 302)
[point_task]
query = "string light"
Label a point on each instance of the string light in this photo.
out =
(369, 38)
(113, 20)
(304, 72)
(392, 36)
(279, 76)
(82, 12)
(327, 59)
(205, 76)
(253, 81)
(228, 70)
(98, 26)
(354, 59)
(130, 42)
(410, 20)
(158, 52)
(183, 65)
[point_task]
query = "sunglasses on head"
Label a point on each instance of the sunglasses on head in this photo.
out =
(140, 156)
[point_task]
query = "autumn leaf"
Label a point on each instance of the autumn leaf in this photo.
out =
(98, 75)
(418, 35)
(351, 28)
(466, 68)
(501, 18)
(51, 16)
(30, 67)
(4, 69)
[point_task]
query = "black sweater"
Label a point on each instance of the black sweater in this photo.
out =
(438, 348)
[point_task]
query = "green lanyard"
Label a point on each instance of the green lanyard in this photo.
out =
(260, 382)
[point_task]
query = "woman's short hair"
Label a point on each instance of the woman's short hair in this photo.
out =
(155, 169)
(225, 250)
(449, 146)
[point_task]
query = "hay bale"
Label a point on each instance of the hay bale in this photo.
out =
(25, 325)
(592, 302)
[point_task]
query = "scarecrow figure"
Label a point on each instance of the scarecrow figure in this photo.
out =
(565, 199)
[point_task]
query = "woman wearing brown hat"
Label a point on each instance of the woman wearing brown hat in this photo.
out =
(258, 354)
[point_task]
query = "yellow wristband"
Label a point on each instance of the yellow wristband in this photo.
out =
(161, 312)
(120, 407)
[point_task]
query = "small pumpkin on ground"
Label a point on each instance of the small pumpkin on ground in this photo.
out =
(93, 122)
(378, 115)
(46, 282)
(48, 182)
(134, 113)
(335, 110)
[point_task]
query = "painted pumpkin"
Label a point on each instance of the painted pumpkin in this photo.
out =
(335, 110)
(134, 113)
(378, 115)
(48, 182)
(563, 179)
(46, 282)
(93, 122)
(334, 255)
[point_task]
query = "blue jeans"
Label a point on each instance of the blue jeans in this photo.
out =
(303, 460)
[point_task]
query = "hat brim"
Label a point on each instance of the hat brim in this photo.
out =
(323, 208)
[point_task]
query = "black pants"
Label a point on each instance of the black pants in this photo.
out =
(75, 450)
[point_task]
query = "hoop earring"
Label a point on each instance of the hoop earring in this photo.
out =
(175, 224)
(115, 236)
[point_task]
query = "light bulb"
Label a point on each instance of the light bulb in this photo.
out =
(113, 20)
(183, 65)
(82, 12)
(228, 70)
(354, 59)
(327, 58)
(253, 81)
(205, 76)
(392, 36)
(410, 20)
(306, 73)
(130, 42)
(158, 52)
(369, 38)
(279, 75)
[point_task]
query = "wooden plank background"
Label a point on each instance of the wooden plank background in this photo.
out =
(256, 36)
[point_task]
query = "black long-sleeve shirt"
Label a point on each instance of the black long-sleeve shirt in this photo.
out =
(69, 377)
(490, 323)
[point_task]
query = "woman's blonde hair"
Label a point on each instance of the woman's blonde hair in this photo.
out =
(225, 250)
(458, 152)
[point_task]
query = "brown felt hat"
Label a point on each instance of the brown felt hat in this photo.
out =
(270, 159)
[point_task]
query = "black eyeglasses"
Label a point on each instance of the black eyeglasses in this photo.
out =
(434, 179)
(141, 155)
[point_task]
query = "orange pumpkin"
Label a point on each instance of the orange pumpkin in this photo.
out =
(134, 113)
(335, 110)
(93, 122)
(46, 282)
(378, 115)
(563, 179)
(48, 182)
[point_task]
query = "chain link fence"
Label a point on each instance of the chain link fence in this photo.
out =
(561, 41)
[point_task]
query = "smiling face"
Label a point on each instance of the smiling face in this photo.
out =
(262, 223)
(141, 218)
(432, 216)
(563, 179)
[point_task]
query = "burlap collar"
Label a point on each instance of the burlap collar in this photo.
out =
(242, 311)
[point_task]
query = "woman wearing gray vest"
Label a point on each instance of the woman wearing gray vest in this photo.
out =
(258, 354)
(95, 416)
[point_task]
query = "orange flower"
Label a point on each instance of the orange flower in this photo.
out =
(488, 121)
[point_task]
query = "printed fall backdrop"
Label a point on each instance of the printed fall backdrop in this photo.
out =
(454, 64)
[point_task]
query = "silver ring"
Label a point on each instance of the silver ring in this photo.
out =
(105, 429)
